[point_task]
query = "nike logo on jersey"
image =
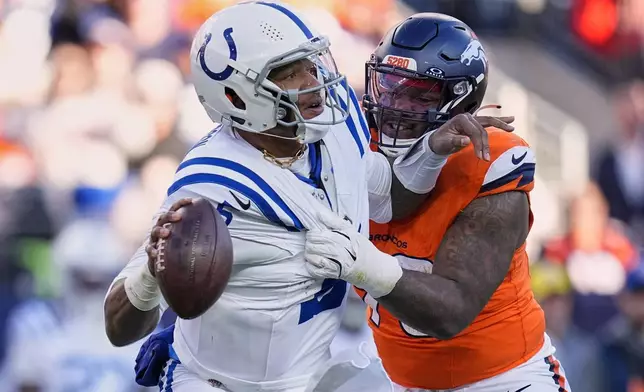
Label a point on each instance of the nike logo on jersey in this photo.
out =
(324, 294)
(243, 205)
(524, 388)
(516, 161)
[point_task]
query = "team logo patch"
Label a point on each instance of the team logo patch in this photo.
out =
(473, 52)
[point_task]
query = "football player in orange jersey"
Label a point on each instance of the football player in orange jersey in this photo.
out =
(448, 289)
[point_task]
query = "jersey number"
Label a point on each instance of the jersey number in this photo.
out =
(227, 215)
(329, 297)
(375, 317)
(406, 262)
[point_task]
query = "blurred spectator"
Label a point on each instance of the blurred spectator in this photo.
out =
(67, 336)
(578, 350)
(596, 254)
(620, 172)
(25, 231)
(624, 339)
(74, 72)
(370, 18)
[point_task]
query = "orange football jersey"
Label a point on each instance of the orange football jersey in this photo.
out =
(511, 327)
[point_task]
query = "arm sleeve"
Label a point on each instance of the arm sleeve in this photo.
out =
(418, 169)
(379, 185)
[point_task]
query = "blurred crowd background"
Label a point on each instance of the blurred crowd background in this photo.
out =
(97, 110)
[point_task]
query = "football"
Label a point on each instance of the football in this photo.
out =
(194, 263)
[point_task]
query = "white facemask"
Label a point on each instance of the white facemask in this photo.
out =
(314, 132)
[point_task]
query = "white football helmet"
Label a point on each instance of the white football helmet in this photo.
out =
(235, 50)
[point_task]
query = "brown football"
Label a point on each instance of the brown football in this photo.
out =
(194, 263)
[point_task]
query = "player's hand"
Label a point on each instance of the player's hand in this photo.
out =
(463, 129)
(339, 251)
(161, 231)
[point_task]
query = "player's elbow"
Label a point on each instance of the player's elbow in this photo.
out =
(114, 336)
(112, 330)
(442, 328)
(450, 328)
(124, 324)
(459, 317)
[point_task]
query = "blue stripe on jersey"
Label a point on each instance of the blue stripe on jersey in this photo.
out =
(251, 175)
(525, 171)
(170, 377)
(263, 205)
(363, 124)
(313, 162)
(292, 16)
(349, 121)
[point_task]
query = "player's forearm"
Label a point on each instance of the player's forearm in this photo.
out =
(429, 303)
(414, 175)
(124, 323)
(399, 186)
(403, 201)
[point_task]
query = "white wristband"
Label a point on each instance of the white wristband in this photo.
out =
(142, 289)
(384, 277)
(375, 272)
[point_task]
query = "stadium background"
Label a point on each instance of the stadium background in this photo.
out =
(96, 111)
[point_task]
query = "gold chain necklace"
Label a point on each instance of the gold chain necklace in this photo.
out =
(285, 163)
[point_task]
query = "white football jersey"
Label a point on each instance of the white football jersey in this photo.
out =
(273, 325)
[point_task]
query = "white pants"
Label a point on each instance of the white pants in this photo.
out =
(356, 369)
(541, 373)
(176, 377)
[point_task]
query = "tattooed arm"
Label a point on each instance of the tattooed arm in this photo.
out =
(471, 262)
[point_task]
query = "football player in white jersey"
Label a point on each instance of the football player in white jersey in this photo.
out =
(292, 145)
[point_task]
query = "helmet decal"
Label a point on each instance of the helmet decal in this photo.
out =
(232, 48)
(473, 52)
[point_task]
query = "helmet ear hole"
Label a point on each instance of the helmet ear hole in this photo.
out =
(237, 102)
(234, 98)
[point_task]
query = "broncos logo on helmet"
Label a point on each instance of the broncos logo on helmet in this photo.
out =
(473, 52)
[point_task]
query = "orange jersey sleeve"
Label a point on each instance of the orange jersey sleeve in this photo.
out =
(511, 166)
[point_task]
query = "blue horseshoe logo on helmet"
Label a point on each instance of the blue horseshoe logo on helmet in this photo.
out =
(232, 48)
